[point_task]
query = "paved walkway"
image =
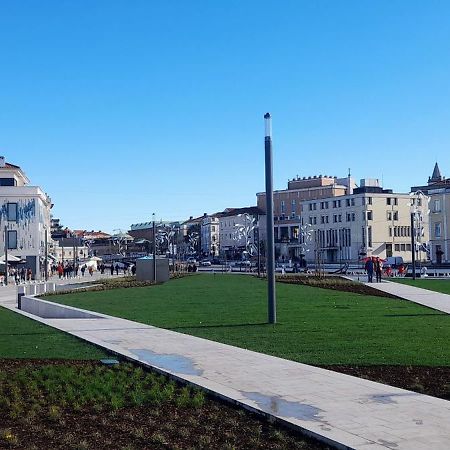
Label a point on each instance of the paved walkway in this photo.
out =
(344, 410)
(432, 299)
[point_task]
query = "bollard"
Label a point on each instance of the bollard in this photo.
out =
(20, 294)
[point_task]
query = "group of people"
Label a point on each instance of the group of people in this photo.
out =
(374, 265)
(70, 270)
(20, 275)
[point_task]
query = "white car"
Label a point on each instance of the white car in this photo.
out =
(191, 261)
(205, 263)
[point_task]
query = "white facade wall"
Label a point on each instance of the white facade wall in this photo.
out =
(33, 217)
(210, 236)
(439, 222)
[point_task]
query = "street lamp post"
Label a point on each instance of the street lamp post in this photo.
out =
(413, 245)
(271, 297)
(46, 253)
(154, 248)
(6, 255)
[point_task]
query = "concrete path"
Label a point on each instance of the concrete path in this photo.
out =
(346, 411)
(432, 299)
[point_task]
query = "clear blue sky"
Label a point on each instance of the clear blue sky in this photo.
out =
(123, 108)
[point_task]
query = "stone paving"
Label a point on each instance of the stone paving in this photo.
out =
(432, 299)
(346, 411)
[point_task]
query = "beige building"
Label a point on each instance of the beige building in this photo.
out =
(438, 190)
(370, 222)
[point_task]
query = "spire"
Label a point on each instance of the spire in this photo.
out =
(436, 177)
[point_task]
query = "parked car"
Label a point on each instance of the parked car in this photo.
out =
(243, 263)
(205, 263)
(191, 260)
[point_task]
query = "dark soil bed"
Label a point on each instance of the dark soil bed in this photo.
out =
(168, 425)
(336, 283)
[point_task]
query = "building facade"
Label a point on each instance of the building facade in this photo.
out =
(240, 231)
(209, 235)
(370, 222)
(24, 219)
(438, 192)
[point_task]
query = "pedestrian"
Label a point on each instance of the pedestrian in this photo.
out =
(112, 269)
(378, 269)
(29, 274)
(117, 269)
(133, 270)
(91, 270)
(369, 270)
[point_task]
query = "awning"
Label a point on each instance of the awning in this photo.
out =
(11, 258)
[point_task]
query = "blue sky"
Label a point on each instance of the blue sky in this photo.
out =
(123, 108)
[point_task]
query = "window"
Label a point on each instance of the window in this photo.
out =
(213, 228)
(352, 202)
(369, 215)
(397, 247)
(348, 217)
(389, 215)
(347, 202)
(282, 207)
(353, 216)
(293, 205)
(395, 217)
(340, 218)
(322, 219)
(335, 218)
(7, 182)
(388, 200)
(437, 206)
(12, 212)
(437, 230)
(12, 239)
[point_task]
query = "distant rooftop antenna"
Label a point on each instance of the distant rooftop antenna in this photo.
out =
(349, 173)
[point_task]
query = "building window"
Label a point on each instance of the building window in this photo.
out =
(395, 217)
(347, 202)
(437, 206)
(388, 200)
(282, 207)
(397, 247)
(353, 216)
(7, 182)
(369, 215)
(12, 239)
(437, 230)
(335, 218)
(322, 219)
(12, 212)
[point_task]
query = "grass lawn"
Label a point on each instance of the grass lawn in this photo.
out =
(21, 337)
(315, 326)
(427, 283)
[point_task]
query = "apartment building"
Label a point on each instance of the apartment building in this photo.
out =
(372, 221)
(210, 235)
(438, 191)
(240, 229)
(25, 218)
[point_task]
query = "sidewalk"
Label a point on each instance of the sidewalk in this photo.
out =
(347, 411)
(432, 299)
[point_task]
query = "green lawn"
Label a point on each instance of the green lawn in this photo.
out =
(21, 337)
(428, 283)
(315, 326)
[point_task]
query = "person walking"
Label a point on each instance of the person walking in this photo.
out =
(378, 269)
(369, 269)
(91, 270)
(117, 269)
(112, 269)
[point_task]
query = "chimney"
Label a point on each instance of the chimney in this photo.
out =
(2, 161)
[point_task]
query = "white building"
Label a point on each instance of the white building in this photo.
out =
(209, 235)
(25, 218)
(370, 222)
(234, 242)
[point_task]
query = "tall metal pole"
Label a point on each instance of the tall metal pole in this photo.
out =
(46, 254)
(154, 249)
(258, 248)
(6, 255)
(271, 296)
(413, 246)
